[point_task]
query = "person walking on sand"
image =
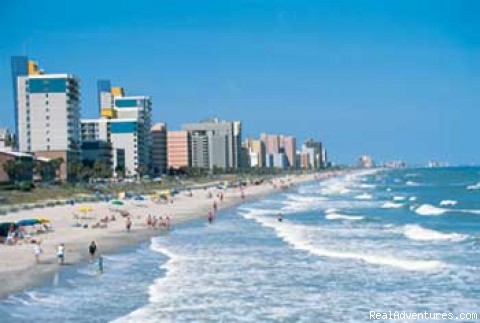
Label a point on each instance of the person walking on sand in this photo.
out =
(128, 224)
(215, 206)
(37, 251)
(61, 254)
(92, 249)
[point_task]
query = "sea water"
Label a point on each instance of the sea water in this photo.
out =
(381, 240)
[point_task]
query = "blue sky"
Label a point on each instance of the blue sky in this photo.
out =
(394, 79)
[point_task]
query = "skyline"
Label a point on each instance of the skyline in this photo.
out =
(329, 70)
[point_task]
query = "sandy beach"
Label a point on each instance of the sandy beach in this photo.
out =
(19, 271)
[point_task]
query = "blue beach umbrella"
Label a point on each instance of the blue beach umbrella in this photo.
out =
(28, 222)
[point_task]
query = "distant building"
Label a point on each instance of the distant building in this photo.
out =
(178, 150)
(289, 145)
(6, 140)
(275, 144)
(215, 143)
(26, 160)
(47, 113)
(365, 162)
(271, 142)
(280, 161)
(159, 149)
(314, 150)
(256, 152)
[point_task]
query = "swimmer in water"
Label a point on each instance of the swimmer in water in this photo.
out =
(280, 217)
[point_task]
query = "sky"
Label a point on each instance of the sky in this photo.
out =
(392, 79)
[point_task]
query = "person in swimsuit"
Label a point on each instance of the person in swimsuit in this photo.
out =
(92, 249)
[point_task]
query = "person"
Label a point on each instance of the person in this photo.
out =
(61, 254)
(280, 217)
(210, 217)
(100, 264)
(215, 206)
(149, 221)
(92, 249)
(128, 224)
(37, 250)
(167, 222)
(221, 197)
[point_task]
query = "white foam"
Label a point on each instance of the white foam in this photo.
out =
(336, 216)
(474, 186)
(412, 183)
(428, 209)
(448, 203)
(419, 233)
(294, 235)
(399, 198)
(412, 175)
(391, 205)
(331, 210)
(388, 189)
(364, 196)
(412, 198)
(367, 185)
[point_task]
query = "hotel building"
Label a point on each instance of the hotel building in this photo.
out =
(178, 150)
(48, 114)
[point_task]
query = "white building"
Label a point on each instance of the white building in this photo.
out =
(48, 112)
(127, 127)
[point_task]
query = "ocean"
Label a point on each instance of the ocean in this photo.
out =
(375, 240)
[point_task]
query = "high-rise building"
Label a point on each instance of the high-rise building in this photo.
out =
(365, 161)
(314, 149)
(19, 67)
(289, 145)
(48, 114)
(275, 144)
(159, 149)
(126, 123)
(271, 142)
(215, 143)
(178, 150)
(256, 152)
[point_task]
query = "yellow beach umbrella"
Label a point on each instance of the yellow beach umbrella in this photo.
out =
(43, 220)
(85, 209)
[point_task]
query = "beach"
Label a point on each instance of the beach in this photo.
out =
(19, 271)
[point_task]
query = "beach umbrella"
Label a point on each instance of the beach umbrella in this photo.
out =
(28, 222)
(85, 209)
(5, 228)
(43, 220)
(117, 202)
(138, 198)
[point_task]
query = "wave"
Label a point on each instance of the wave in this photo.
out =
(428, 209)
(364, 196)
(391, 205)
(337, 216)
(367, 185)
(412, 175)
(419, 233)
(294, 235)
(412, 183)
(399, 198)
(448, 203)
(412, 198)
(474, 187)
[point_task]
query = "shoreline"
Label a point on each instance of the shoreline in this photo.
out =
(18, 270)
